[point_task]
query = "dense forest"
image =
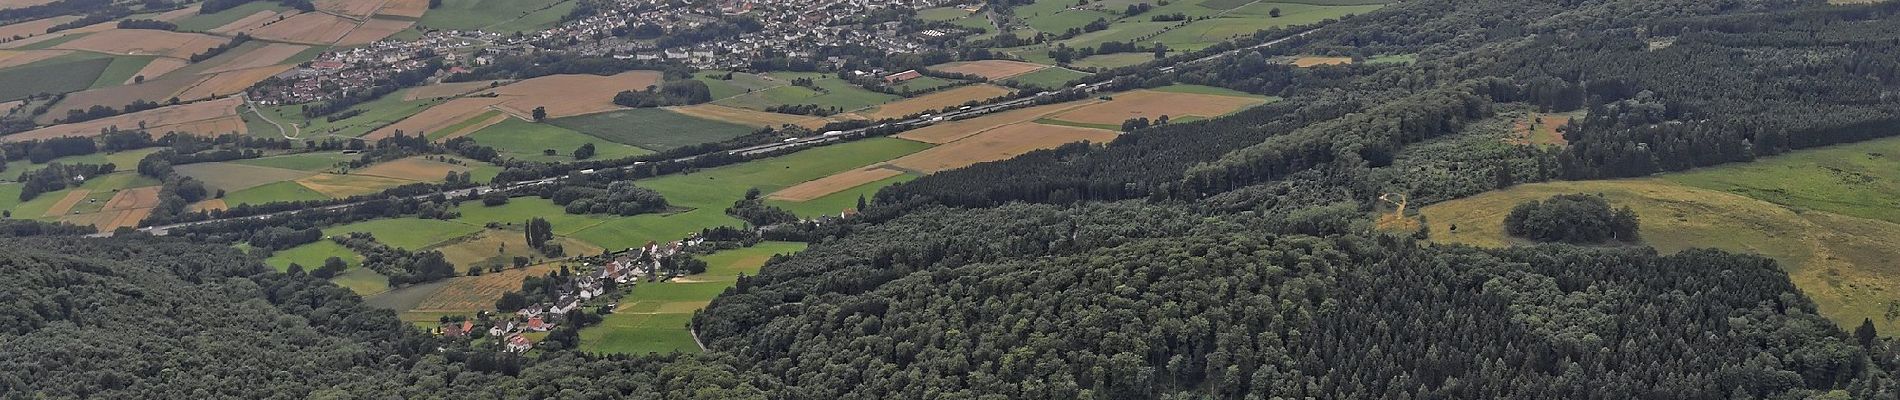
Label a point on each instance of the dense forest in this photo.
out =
(1228, 258)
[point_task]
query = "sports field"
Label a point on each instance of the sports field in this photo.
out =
(653, 316)
(529, 141)
(652, 128)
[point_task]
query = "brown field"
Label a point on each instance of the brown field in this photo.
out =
(307, 28)
(227, 83)
(441, 90)
(1304, 62)
(65, 204)
(374, 30)
(742, 116)
(341, 186)
(230, 124)
(157, 91)
(7, 107)
(991, 69)
(15, 58)
(1152, 104)
(415, 168)
(32, 28)
(248, 23)
(186, 118)
(1542, 133)
(261, 57)
(835, 183)
(998, 144)
(6, 4)
(99, 27)
(570, 95)
(207, 205)
(438, 117)
(412, 9)
(145, 42)
(354, 8)
(947, 132)
(474, 293)
(157, 68)
(938, 100)
(143, 197)
(126, 208)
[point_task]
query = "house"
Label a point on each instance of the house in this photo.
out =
(501, 328)
(536, 324)
(518, 343)
(902, 76)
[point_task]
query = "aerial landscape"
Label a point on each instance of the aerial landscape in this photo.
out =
(950, 199)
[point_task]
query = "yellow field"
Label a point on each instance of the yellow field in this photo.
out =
(937, 100)
(158, 67)
(1311, 61)
(411, 9)
(353, 8)
(248, 23)
(990, 69)
(15, 58)
(341, 186)
(268, 55)
(475, 293)
(65, 204)
(32, 28)
(229, 83)
(373, 30)
(946, 132)
(1154, 104)
(195, 118)
(570, 95)
(306, 28)
(1844, 263)
(438, 117)
(743, 116)
(998, 144)
(145, 42)
(835, 183)
(207, 205)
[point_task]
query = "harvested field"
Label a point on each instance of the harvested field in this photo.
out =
(834, 183)
(991, 69)
(65, 204)
(145, 42)
(742, 116)
(952, 131)
(570, 95)
(227, 83)
(373, 30)
(308, 28)
(354, 8)
(15, 58)
(233, 177)
(248, 23)
(411, 9)
(32, 28)
(156, 91)
(438, 117)
(266, 56)
(1153, 104)
(418, 168)
(145, 197)
(937, 100)
(998, 144)
(1304, 62)
(191, 118)
(441, 90)
(474, 293)
(341, 186)
(157, 68)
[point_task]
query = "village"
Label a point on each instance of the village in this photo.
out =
(599, 285)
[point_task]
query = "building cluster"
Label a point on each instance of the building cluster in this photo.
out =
(337, 71)
(623, 269)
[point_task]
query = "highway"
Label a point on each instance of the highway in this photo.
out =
(786, 145)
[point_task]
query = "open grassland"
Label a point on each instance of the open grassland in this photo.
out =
(504, 16)
(232, 177)
(405, 9)
(311, 255)
(739, 84)
(943, 13)
(653, 316)
(838, 201)
(306, 28)
(1859, 180)
(1844, 263)
(520, 209)
(271, 193)
(652, 128)
(312, 162)
(1049, 78)
(201, 118)
(989, 69)
(34, 27)
(468, 294)
(832, 93)
(921, 84)
(15, 58)
(375, 114)
(1153, 104)
(529, 141)
(707, 193)
(407, 233)
(937, 100)
(61, 74)
(10, 196)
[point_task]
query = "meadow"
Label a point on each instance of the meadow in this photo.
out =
(121, 69)
(1049, 78)
(407, 233)
(741, 83)
(67, 73)
(653, 316)
(837, 93)
(504, 16)
(529, 141)
(834, 203)
(520, 209)
(312, 255)
(313, 161)
(271, 193)
(652, 128)
(1860, 180)
(375, 114)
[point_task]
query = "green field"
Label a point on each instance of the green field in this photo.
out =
(311, 255)
(923, 83)
(834, 203)
(407, 233)
(124, 160)
(1217, 91)
(528, 141)
(459, 126)
(1393, 59)
(63, 74)
(837, 93)
(363, 281)
(313, 161)
(121, 70)
(271, 193)
(1116, 60)
(653, 317)
(741, 83)
(1049, 78)
(942, 14)
(206, 22)
(10, 198)
(376, 114)
(1860, 180)
(501, 16)
(709, 192)
(652, 128)
(520, 209)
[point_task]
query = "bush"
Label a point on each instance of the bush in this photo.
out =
(1572, 218)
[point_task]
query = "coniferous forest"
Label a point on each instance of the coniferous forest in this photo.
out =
(1227, 258)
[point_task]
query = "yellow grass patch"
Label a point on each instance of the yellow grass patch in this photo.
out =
(475, 293)
(194, 118)
(1539, 129)
(373, 30)
(145, 42)
(1153, 104)
(307, 28)
(405, 8)
(441, 90)
(946, 132)
(65, 204)
(208, 205)
(268, 55)
(991, 69)
(229, 83)
(437, 117)
(938, 100)
(157, 68)
(1310, 61)
(341, 186)
(998, 144)
(15, 58)
(743, 116)
(835, 183)
(570, 95)
(418, 168)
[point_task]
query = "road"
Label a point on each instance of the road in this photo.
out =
(788, 144)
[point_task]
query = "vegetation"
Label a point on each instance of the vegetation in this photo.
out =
(1572, 218)
(652, 128)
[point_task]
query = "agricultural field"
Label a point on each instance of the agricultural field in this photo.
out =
(1049, 78)
(1153, 104)
(272, 192)
(752, 118)
(499, 247)
(1116, 60)
(520, 209)
(446, 90)
(313, 161)
(528, 141)
(407, 233)
(937, 100)
(836, 94)
(922, 83)
(312, 255)
(1859, 180)
(741, 83)
(503, 16)
(572, 94)
(437, 119)
(838, 200)
(998, 144)
(202, 118)
(652, 128)
(34, 27)
(653, 316)
(375, 114)
(947, 132)
(61, 74)
(208, 22)
(1314, 61)
(989, 69)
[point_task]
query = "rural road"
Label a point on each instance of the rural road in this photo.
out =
(788, 144)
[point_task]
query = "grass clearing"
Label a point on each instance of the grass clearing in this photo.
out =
(652, 128)
(1859, 180)
(271, 193)
(502, 16)
(312, 255)
(406, 233)
(529, 141)
(520, 209)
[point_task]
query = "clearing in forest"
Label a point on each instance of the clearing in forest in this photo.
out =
(1314, 61)
(1539, 129)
